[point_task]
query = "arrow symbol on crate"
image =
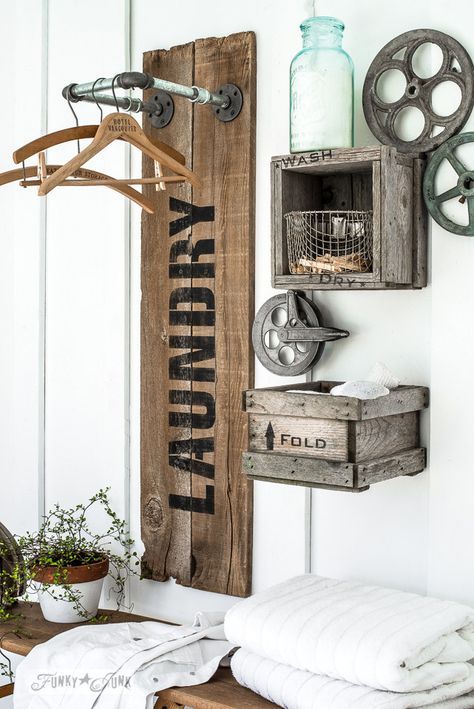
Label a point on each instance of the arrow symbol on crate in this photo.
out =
(270, 436)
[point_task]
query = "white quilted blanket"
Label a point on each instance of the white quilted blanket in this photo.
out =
(297, 689)
(365, 635)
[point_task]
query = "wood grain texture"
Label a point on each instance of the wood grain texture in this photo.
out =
(6, 690)
(396, 196)
(312, 399)
(322, 438)
(420, 226)
(196, 505)
(330, 475)
(166, 532)
(224, 156)
(35, 629)
(221, 692)
(382, 436)
(409, 463)
(298, 470)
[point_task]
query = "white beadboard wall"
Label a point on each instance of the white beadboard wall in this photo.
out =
(70, 306)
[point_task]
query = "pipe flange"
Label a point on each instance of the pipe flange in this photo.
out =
(236, 100)
(164, 111)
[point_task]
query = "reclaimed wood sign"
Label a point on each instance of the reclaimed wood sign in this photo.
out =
(197, 311)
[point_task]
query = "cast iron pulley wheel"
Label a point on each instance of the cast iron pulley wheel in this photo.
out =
(288, 335)
(463, 189)
(382, 116)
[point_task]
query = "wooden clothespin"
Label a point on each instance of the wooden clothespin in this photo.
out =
(160, 186)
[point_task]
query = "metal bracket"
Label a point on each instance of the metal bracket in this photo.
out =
(236, 100)
(164, 111)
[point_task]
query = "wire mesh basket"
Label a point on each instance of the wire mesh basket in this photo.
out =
(329, 241)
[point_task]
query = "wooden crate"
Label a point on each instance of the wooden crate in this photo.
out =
(378, 179)
(308, 437)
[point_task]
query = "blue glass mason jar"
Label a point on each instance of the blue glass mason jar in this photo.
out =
(321, 89)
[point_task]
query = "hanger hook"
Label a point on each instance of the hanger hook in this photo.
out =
(95, 100)
(68, 98)
(113, 92)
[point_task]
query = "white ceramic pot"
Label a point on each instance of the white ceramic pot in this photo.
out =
(86, 580)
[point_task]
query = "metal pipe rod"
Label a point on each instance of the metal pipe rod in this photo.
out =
(128, 104)
(130, 80)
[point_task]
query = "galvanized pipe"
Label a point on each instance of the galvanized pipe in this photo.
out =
(129, 80)
(127, 103)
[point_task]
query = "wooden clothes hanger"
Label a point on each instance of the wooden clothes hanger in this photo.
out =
(100, 178)
(121, 126)
(78, 133)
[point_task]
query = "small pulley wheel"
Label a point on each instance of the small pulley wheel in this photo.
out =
(463, 190)
(382, 116)
(279, 356)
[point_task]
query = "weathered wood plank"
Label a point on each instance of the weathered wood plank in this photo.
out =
(166, 531)
(382, 436)
(221, 692)
(331, 158)
(311, 472)
(319, 404)
(401, 400)
(224, 158)
(338, 281)
(301, 470)
(420, 226)
(6, 690)
(396, 194)
(322, 438)
(377, 224)
(407, 463)
(35, 629)
(196, 321)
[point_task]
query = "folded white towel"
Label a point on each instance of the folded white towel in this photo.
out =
(297, 689)
(366, 635)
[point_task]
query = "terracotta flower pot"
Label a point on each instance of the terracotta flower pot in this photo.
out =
(86, 580)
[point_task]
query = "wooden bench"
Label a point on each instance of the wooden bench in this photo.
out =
(221, 692)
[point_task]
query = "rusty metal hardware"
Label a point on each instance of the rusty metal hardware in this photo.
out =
(382, 117)
(288, 335)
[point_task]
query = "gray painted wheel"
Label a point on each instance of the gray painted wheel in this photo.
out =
(285, 358)
(463, 189)
(382, 116)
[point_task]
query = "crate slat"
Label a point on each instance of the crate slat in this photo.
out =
(310, 472)
(320, 404)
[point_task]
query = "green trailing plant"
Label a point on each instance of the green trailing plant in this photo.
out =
(64, 540)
